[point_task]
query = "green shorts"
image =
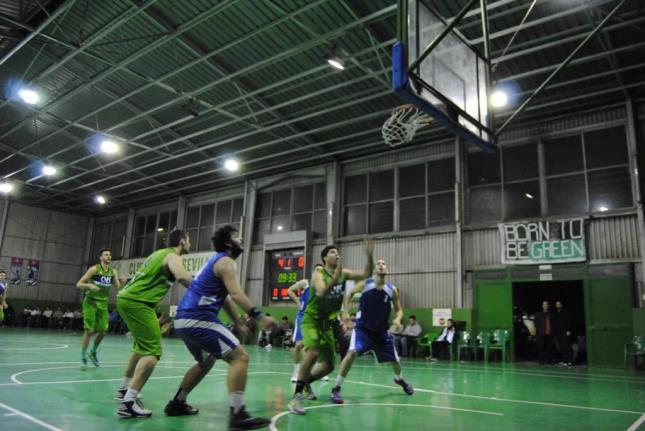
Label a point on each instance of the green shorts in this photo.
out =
(1, 313)
(143, 325)
(95, 315)
(319, 336)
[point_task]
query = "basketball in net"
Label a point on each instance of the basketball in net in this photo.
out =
(403, 124)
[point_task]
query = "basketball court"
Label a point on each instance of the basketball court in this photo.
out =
(490, 149)
(45, 390)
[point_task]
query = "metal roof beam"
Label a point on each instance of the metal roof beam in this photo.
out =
(62, 8)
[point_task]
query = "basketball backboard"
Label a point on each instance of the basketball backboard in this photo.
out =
(435, 68)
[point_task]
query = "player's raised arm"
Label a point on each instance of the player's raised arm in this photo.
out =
(318, 282)
(396, 301)
(85, 282)
(368, 246)
(358, 288)
(175, 265)
(295, 287)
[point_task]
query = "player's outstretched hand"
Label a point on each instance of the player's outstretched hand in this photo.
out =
(242, 329)
(268, 323)
(368, 245)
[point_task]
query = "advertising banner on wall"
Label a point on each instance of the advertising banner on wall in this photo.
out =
(33, 272)
(15, 272)
(192, 262)
(543, 242)
(440, 316)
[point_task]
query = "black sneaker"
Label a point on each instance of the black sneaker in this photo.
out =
(243, 421)
(407, 388)
(180, 408)
(132, 409)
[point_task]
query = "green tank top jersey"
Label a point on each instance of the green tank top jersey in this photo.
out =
(150, 283)
(326, 307)
(104, 280)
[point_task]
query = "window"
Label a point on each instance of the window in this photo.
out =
(151, 232)
(203, 220)
(484, 187)
(109, 235)
(521, 182)
(588, 172)
(292, 209)
(369, 203)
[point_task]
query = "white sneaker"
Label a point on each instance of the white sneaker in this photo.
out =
(294, 377)
(295, 405)
(325, 379)
(268, 347)
(132, 409)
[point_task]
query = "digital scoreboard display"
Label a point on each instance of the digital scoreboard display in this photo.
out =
(285, 268)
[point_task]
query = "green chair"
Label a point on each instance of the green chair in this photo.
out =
(426, 341)
(500, 341)
(635, 348)
(482, 342)
(465, 342)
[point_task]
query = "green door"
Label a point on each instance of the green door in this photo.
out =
(608, 301)
(494, 306)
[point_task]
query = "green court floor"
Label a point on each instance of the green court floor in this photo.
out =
(42, 387)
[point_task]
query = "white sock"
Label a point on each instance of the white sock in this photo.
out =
(340, 380)
(236, 400)
(126, 382)
(296, 368)
(131, 395)
(398, 376)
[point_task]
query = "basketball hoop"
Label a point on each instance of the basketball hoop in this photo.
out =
(403, 124)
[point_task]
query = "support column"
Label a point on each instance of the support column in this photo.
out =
(129, 232)
(636, 192)
(4, 220)
(458, 296)
(181, 212)
(334, 207)
(246, 228)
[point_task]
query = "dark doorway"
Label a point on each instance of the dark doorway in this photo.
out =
(527, 300)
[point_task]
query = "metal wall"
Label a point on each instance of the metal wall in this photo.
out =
(57, 240)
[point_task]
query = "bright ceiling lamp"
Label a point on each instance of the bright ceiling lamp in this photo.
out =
(231, 165)
(109, 147)
(334, 59)
(48, 170)
(30, 97)
(100, 199)
(499, 99)
(6, 187)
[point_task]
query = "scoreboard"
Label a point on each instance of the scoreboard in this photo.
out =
(285, 268)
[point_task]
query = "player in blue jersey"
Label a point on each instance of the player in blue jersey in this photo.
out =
(370, 333)
(298, 345)
(217, 285)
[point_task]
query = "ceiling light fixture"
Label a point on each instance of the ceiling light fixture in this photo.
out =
(231, 165)
(335, 60)
(6, 187)
(499, 99)
(109, 147)
(30, 97)
(100, 199)
(48, 170)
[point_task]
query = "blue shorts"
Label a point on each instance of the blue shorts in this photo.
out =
(203, 338)
(297, 332)
(381, 343)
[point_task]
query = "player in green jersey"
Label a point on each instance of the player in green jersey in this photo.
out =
(96, 282)
(323, 307)
(136, 304)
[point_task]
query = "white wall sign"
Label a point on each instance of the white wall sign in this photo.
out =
(440, 316)
(543, 242)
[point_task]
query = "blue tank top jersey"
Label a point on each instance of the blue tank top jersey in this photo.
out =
(375, 307)
(304, 298)
(2, 288)
(205, 295)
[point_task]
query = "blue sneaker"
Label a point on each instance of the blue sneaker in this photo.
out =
(407, 388)
(94, 359)
(336, 397)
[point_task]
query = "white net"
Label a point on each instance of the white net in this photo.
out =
(403, 124)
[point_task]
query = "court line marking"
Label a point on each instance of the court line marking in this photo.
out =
(30, 418)
(508, 400)
(481, 397)
(277, 417)
(637, 424)
(58, 346)
(14, 377)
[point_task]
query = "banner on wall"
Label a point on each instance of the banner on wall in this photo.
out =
(33, 272)
(193, 262)
(15, 271)
(543, 242)
(440, 316)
